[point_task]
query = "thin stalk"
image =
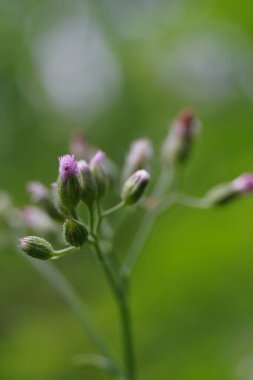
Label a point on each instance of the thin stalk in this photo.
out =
(92, 217)
(65, 251)
(127, 338)
(74, 301)
(194, 202)
(119, 206)
(164, 181)
(120, 294)
(115, 283)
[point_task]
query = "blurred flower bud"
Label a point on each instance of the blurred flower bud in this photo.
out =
(97, 167)
(88, 183)
(75, 233)
(177, 146)
(135, 186)
(36, 247)
(80, 147)
(225, 192)
(69, 188)
(35, 219)
(44, 197)
(141, 151)
(37, 191)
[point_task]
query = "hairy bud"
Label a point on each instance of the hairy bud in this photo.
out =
(226, 192)
(97, 168)
(88, 183)
(135, 186)
(36, 247)
(141, 151)
(178, 144)
(75, 233)
(69, 188)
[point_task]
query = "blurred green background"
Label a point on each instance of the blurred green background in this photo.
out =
(120, 70)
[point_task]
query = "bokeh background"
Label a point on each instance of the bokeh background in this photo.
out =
(119, 70)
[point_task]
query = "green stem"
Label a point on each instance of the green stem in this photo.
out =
(146, 226)
(189, 201)
(127, 338)
(65, 251)
(92, 216)
(119, 290)
(113, 209)
(115, 283)
(76, 304)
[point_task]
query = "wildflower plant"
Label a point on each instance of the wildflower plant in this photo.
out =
(85, 182)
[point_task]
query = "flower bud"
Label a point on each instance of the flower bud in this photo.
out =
(37, 191)
(225, 192)
(135, 186)
(69, 188)
(45, 199)
(179, 142)
(37, 220)
(88, 183)
(75, 233)
(36, 247)
(80, 147)
(141, 151)
(97, 168)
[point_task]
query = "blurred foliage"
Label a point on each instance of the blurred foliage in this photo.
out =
(119, 70)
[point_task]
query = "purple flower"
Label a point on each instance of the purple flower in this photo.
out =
(243, 184)
(68, 167)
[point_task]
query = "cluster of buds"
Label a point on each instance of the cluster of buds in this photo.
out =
(87, 181)
(78, 182)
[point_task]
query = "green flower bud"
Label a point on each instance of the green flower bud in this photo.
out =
(135, 186)
(36, 247)
(88, 184)
(69, 188)
(99, 173)
(75, 233)
(224, 193)
(178, 145)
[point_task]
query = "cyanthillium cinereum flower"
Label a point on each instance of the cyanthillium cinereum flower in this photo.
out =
(225, 192)
(97, 167)
(36, 247)
(75, 233)
(69, 188)
(141, 151)
(178, 144)
(88, 184)
(135, 186)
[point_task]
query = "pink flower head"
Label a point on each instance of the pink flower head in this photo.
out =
(68, 167)
(97, 159)
(244, 183)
